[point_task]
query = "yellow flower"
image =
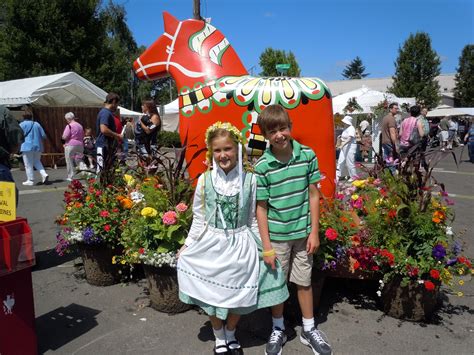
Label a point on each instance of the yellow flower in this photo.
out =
(114, 259)
(149, 212)
(461, 272)
(129, 179)
(461, 282)
(123, 262)
(359, 183)
(355, 197)
(379, 201)
(135, 255)
(460, 294)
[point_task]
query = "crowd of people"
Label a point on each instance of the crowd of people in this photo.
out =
(397, 138)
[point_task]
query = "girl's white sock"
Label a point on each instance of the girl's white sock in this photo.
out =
(278, 323)
(220, 339)
(230, 336)
(308, 324)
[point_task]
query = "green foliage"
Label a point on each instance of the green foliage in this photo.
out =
(416, 69)
(44, 37)
(271, 57)
(169, 139)
(355, 69)
(464, 90)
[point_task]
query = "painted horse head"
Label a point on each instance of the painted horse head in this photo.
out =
(190, 51)
(213, 85)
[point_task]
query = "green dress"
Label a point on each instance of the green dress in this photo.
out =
(228, 240)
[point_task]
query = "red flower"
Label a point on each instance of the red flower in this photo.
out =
(115, 210)
(375, 268)
(98, 193)
(412, 271)
(464, 261)
(392, 214)
(434, 274)
(107, 228)
(104, 213)
(356, 265)
(391, 259)
(91, 205)
(331, 234)
(141, 250)
(429, 285)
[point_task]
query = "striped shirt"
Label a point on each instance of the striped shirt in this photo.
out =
(285, 187)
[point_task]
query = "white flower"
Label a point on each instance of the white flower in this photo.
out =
(379, 293)
(136, 196)
(75, 235)
(449, 230)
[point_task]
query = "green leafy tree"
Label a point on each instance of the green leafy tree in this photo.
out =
(464, 90)
(43, 37)
(416, 69)
(354, 70)
(271, 57)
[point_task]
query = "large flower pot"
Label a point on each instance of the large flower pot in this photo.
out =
(98, 265)
(411, 302)
(163, 289)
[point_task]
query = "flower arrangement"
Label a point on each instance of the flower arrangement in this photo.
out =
(158, 225)
(395, 225)
(93, 215)
(160, 214)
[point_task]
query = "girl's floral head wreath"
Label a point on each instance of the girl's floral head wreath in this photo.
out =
(236, 135)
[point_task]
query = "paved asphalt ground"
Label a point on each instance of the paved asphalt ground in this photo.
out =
(73, 317)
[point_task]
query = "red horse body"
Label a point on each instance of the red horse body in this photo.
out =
(213, 85)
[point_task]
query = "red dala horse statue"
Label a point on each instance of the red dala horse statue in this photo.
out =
(213, 85)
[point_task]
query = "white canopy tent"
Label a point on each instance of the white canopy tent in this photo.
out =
(451, 111)
(65, 89)
(129, 113)
(367, 99)
(170, 116)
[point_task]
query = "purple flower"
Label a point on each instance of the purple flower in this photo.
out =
(89, 236)
(333, 264)
(449, 202)
(451, 262)
(340, 253)
(439, 252)
(456, 247)
(62, 244)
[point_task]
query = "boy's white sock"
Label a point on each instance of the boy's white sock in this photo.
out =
(278, 323)
(230, 336)
(308, 324)
(220, 339)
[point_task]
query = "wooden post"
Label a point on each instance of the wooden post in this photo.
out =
(197, 9)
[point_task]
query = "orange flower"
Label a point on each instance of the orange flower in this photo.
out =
(343, 219)
(126, 203)
(438, 216)
(88, 198)
(78, 205)
(355, 240)
(120, 197)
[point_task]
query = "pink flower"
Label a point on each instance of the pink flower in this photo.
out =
(331, 234)
(169, 218)
(107, 228)
(104, 213)
(357, 203)
(340, 196)
(377, 182)
(449, 202)
(181, 207)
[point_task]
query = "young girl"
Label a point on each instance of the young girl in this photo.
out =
(89, 147)
(220, 267)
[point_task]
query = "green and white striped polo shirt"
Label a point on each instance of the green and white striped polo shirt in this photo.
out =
(285, 187)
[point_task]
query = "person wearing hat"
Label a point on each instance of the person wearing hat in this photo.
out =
(365, 140)
(72, 137)
(107, 136)
(348, 149)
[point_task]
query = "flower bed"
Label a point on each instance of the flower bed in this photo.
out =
(394, 227)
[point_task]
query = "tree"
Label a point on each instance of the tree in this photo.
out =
(271, 57)
(43, 37)
(416, 69)
(354, 70)
(464, 89)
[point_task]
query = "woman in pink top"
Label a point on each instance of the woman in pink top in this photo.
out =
(73, 136)
(408, 125)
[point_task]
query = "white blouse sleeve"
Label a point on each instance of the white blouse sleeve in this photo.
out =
(198, 213)
(252, 221)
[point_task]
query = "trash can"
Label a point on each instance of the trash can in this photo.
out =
(17, 314)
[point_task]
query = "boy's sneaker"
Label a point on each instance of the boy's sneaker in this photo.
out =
(317, 341)
(275, 342)
(28, 183)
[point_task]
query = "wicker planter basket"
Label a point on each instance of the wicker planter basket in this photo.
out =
(163, 289)
(98, 265)
(412, 302)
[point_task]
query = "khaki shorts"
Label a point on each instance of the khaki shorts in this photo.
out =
(295, 260)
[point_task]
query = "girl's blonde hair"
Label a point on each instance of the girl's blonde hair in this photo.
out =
(225, 129)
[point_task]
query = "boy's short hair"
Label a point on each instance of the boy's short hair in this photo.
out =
(271, 117)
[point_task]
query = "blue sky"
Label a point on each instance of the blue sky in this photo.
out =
(324, 35)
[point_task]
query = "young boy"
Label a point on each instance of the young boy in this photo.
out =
(288, 220)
